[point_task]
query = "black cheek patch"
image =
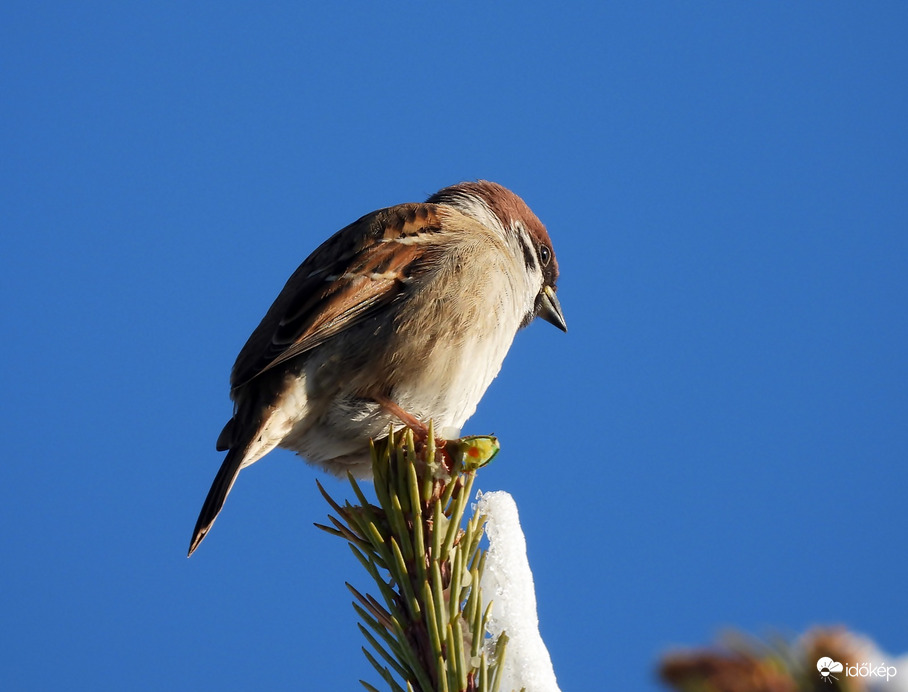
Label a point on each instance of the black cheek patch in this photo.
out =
(528, 255)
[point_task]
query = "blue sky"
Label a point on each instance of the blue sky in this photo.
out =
(719, 441)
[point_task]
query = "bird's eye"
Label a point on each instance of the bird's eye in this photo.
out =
(545, 255)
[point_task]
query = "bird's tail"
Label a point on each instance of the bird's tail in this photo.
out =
(221, 486)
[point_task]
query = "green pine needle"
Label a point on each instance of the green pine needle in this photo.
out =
(428, 629)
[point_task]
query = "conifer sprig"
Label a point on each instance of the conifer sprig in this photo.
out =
(427, 627)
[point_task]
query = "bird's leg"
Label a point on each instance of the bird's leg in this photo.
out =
(420, 429)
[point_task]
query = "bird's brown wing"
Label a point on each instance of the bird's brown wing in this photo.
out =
(353, 274)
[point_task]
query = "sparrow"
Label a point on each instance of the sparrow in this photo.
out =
(402, 317)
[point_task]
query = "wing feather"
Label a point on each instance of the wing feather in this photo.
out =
(358, 271)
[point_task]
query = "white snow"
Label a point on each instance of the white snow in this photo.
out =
(896, 676)
(872, 668)
(508, 582)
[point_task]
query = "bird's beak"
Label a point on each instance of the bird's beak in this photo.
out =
(549, 309)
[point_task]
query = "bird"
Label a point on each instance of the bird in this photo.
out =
(402, 317)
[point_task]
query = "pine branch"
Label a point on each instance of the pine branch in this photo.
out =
(427, 628)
